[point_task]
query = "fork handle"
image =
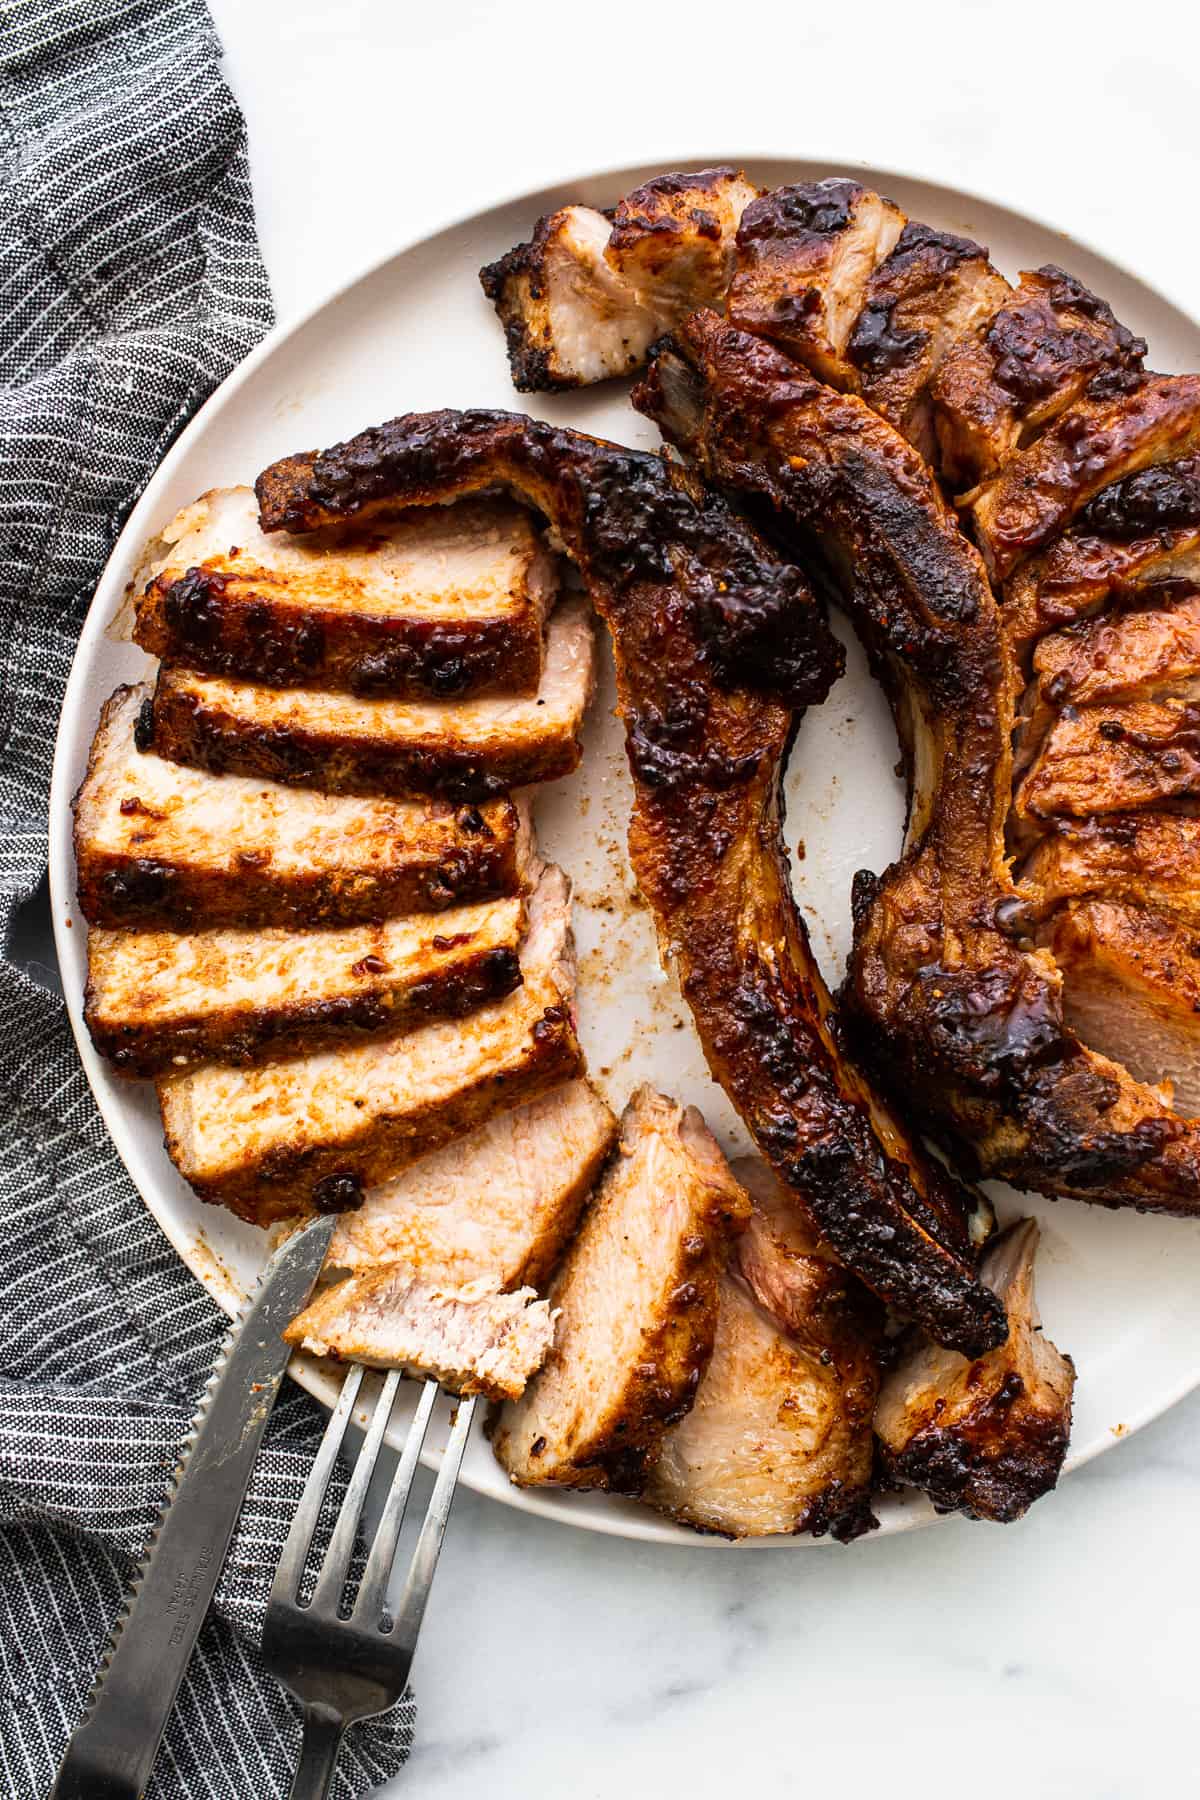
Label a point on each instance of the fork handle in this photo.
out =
(318, 1754)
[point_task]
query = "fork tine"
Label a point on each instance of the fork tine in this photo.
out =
(429, 1544)
(373, 1589)
(290, 1572)
(335, 1567)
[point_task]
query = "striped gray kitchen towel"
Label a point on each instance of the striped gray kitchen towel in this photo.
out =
(130, 283)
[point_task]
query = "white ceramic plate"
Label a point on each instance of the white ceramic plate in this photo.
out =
(1117, 1291)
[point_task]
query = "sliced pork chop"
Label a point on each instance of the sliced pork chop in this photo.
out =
(158, 1000)
(637, 1304)
(450, 602)
(1116, 758)
(1137, 536)
(473, 1339)
(163, 847)
(673, 239)
(468, 749)
(934, 291)
(1131, 988)
(804, 257)
(316, 1131)
(1151, 653)
(585, 298)
(1150, 860)
(503, 1201)
(1043, 346)
(1040, 491)
(985, 1437)
(569, 317)
(779, 1438)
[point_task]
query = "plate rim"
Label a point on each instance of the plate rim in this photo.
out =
(316, 1379)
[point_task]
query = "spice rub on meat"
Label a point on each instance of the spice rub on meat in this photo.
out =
(717, 644)
(353, 744)
(503, 1201)
(947, 1000)
(316, 1131)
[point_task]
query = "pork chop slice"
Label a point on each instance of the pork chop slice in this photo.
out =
(569, 317)
(503, 1201)
(805, 255)
(1151, 860)
(585, 298)
(1148, 653)
(316, 1131)
(1041, 490)
(637, 1306)
(441, 604)
(1044, 344)
(158, 1000)
(673, 239)
(1131, 988)
(779, 1438)
(985, 1437)
(1138, 538)
(1115, 758)
(466, 749)
(473, 1339)
(934, 291)
(163, 847)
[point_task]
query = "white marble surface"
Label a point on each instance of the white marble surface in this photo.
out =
(1054, 1658)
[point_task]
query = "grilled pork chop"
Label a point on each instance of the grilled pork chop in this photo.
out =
(465, 749)
(449, 603)
(503, 1201)
(949, 1009)
(779, 1437)
(804, 256)
(933, 292)
(1147, 859)
(473, 1339)
(986, 1438)
(637, 1308)
(162, 847)
(1131, 988)
(158, 1000)
(272, 1141)
(1098, 759)
(1040, 491)
(717, 644)
(1043, 346)
(587, 296)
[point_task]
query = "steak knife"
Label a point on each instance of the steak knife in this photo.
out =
(112, 1752)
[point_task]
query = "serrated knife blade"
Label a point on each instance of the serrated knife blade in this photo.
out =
(112, 1752)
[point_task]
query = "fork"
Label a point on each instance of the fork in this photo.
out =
(341, 1664)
